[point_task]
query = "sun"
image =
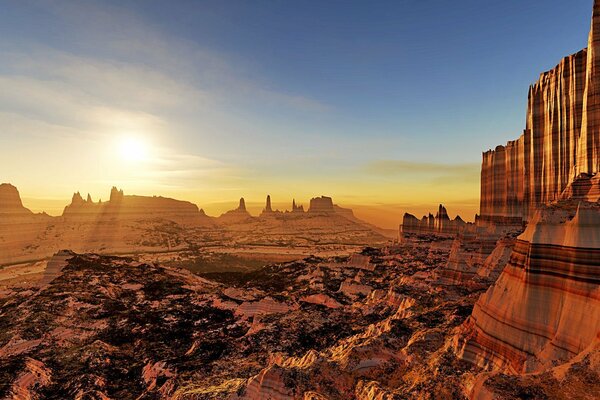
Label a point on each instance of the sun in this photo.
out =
(132, 148)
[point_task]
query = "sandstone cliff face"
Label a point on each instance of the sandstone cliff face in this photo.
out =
(588, 155)
(560, 141)
(544, 307)
(467, 255)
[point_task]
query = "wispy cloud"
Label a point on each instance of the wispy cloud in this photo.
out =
(130, 78)
(401, 167)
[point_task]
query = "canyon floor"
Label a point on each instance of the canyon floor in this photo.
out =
(374, 325)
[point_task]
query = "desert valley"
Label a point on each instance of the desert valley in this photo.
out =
(148, 297)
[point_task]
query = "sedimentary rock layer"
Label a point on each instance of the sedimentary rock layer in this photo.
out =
(545, 306)
(561, 140)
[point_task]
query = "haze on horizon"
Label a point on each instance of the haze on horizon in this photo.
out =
(384, 107)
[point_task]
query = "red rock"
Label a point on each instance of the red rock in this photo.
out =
(10, 200)
(561, 140)
(321, 204)
(545, 307)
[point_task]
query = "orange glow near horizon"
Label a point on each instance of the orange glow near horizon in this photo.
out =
(382, 214)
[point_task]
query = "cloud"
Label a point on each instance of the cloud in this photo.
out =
(400, 167)
(62, 102)
(141, 52)
(464, 175)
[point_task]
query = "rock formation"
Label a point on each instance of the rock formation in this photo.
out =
(268, 211)
(19, 227)
(561, 140)
(467, 255)
(240, 214)
(440, 224)
(131, 207)
(321, 205)
(544, 307)
(268, 208)
(297, 208)
(10, 200)
(242, 206)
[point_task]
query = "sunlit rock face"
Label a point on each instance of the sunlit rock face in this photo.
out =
(588, 154)
(561, 140)
(544, 307)
(467, 255)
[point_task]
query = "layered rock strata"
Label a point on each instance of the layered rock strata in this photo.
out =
(545, 306)
(467, 255)
(561, 140)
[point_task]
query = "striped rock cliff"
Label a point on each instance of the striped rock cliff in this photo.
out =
(469, 251)
(545, 306)
(543, 311)
(561, 140)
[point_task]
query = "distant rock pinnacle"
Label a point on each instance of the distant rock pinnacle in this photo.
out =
(242, 206)
(268, 205)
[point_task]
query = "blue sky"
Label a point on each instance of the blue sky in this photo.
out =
(377, 103)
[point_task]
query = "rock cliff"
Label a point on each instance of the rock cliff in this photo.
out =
(10, 200)
(544, 308)
(560, 142)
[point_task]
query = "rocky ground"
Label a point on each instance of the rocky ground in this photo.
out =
(373, 326)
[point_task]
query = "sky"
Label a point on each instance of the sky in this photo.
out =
(386, 106)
